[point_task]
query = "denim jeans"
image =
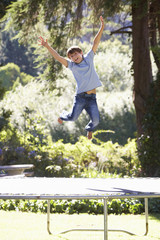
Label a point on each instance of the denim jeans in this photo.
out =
(87, 102)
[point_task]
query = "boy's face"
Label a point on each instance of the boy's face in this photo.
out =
(76, 57)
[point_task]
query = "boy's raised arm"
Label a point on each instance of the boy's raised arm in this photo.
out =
(98, 36)
(44, 43)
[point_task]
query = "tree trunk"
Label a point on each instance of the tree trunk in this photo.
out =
(141, 60)
(154, 21)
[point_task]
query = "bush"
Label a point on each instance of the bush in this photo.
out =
(68, 160)
(154, 205)
(10, 77)
(117, 206)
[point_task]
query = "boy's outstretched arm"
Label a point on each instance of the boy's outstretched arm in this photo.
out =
(98, 36)
(44, 43)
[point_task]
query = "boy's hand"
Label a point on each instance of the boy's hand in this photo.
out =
(102, 21)
(42, 42)
(53, 52)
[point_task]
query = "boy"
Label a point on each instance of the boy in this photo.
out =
(87, 80)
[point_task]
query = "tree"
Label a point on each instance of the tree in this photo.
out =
(12, 51)
(64, 19)
(3, 6)
(10, 77)
(146, 30)
(141, 60)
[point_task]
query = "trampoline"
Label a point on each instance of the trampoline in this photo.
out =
(81, 188)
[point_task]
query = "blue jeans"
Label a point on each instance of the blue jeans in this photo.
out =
(87, 102)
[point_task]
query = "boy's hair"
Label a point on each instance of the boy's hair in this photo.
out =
(73, 49)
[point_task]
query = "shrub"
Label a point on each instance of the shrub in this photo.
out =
(10, 77)
(69, 160)
(116, 206)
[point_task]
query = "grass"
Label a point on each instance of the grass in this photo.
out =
(31, 226)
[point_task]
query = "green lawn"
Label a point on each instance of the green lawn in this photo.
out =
(31, 226)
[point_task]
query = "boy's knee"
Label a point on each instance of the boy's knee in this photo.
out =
(72, 118)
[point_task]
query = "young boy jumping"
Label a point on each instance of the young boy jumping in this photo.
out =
(83, 70)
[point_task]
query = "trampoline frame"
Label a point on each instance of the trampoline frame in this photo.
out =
(105, 197)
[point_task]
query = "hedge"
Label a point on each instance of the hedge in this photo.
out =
(116, 206)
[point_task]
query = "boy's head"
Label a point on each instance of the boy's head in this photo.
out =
(75, 54)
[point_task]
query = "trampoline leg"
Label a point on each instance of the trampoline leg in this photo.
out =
(48, 217)
(146, 215)
(105, 220)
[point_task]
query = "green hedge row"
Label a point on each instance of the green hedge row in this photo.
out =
(117, 206)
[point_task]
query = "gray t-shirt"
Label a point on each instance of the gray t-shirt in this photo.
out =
(85, 74)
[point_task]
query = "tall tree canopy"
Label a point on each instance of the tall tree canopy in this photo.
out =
(64, 18)
(3, 6)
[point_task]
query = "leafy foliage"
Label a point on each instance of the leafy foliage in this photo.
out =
(13, 52)
(67, 160)
(11, 77)
(118, 206)
(3, 6)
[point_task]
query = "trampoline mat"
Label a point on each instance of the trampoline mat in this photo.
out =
(39, 187)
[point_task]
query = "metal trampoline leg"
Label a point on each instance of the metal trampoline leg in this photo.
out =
(48, 217)
(146, 215)
(105, 220)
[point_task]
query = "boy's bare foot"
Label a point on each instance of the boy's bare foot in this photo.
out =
(89, 135)
(60, 121)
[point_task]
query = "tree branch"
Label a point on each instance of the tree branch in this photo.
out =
(120, 30)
